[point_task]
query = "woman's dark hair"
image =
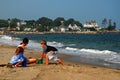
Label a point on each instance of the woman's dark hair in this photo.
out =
(25, 40)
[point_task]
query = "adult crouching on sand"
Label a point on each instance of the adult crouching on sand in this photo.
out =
(49, 52)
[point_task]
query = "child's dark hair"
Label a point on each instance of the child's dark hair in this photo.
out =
(25, 40)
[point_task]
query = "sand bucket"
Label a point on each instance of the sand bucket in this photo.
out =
(40, 61)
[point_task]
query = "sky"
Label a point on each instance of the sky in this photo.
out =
(80, 10)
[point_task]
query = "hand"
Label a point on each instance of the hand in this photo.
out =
(39, 58)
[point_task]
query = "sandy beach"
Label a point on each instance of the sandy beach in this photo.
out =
(70, 71)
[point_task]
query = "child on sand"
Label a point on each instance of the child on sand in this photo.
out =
(19, 58)
(49, 52)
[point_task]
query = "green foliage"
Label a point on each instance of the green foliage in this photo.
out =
(112, 27)
(44, 21)
(72, 22)
(30, 22)
(58, 21)
(22, 28)
(3, 23)
(108, 25)
(13, 22)
(104, 23)
(78, 23)
(40, 28)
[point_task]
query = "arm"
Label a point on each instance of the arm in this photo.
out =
(43, 52)
(17, 51)
(42, 55)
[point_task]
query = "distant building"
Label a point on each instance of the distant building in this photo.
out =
(74, 27)
(52, 30)
(21, 23)
(91, 26)
(62, 29)
(27, 29)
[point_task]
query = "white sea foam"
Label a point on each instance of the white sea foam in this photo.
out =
(72, 49)
(6, 37)
(96, 51)
(55, 44)
(104, 55)
(10, 40)
(90, 51)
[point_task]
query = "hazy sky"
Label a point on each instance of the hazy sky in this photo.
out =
(81, 10)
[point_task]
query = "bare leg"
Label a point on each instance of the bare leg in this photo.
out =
(47, 55)
(60, 61)
(16, 65)
(32, 60)
(47, 60)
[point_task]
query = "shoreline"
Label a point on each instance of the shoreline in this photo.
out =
(35, 54)
(70, 58)
(70, 71)
(85, 60)
(78, 32)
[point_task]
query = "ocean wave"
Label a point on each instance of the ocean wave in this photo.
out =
(104, 55)
(90, 51)
(55, 44)
(6, 37)
(72, 49)
(97, 51)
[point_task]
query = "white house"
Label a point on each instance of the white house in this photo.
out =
(91, 24)
(21, 23)
(74, 27)
(62, 29)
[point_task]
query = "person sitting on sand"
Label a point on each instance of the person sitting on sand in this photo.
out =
(19, 58)
(49, 52)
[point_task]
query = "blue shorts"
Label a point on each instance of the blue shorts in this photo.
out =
(19, 58)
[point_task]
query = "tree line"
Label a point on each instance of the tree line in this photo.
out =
(43, 23)
(108, 24)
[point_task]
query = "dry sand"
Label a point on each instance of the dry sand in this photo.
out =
(70, 71)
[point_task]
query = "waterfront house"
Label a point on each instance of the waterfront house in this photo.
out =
(91, 26)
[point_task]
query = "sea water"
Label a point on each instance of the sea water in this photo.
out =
(100, 49)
